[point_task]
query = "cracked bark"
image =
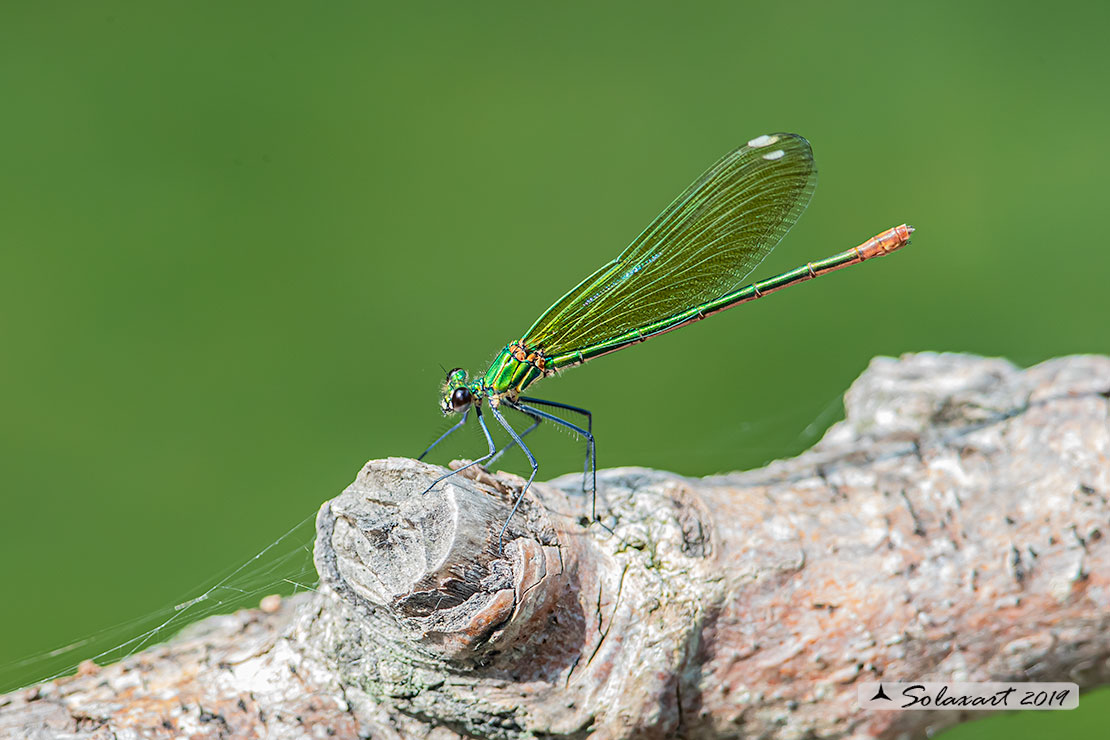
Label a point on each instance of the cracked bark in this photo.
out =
(951, 528)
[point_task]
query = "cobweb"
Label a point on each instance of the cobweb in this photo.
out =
(283, 567)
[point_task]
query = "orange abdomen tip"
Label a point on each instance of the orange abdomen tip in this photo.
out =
(886, 242)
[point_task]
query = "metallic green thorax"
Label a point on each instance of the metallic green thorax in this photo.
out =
(509, 375)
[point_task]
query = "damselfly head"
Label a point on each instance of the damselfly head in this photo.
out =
(457, 395)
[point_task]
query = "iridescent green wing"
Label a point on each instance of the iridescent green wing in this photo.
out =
(703, 245)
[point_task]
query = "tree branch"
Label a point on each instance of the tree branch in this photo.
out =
(951, 528)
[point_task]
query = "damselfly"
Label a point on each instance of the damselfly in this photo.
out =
(684, 267)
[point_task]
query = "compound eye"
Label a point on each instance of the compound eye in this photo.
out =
(460, 399)
(452, 371)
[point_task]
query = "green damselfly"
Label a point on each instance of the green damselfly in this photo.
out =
(684, 267)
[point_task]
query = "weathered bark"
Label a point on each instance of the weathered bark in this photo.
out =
(951, 528)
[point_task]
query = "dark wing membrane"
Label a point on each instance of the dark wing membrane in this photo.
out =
(703, 245)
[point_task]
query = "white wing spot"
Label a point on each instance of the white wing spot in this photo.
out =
(761, 141)
(777, 154)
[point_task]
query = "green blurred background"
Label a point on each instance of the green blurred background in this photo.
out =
(239, 241)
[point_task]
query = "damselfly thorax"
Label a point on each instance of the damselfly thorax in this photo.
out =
(516, 368)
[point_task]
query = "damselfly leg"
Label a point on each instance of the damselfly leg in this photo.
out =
(480, 460)
(446, 434)
(535, 466)
(589, 474)
(536, 421)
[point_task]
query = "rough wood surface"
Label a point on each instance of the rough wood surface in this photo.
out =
(951, 528)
